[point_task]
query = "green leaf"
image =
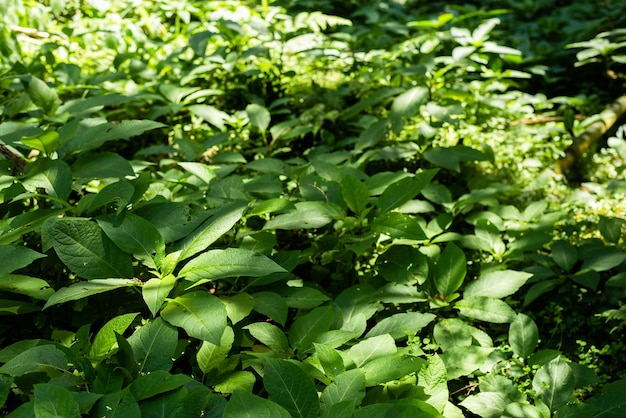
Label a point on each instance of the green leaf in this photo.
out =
(393, 265)
(355, 194)
(486, 404)
(603, 259)
(173, 220)
(104, 341)
(134, 235)
(444, 157)
(343, 409)
(272, 205)
(271, 305)
(270, 335)
(237, 381)
(42, 95)
(347, 386)
(117, 195)
(155, 291)
(210, 114)
(25, 285)
(93, 133)
(247, 405)
(371, 348)
(403, 408)
(462, 361)
(238, 306)
(497, 284)
(45, 142)
(200, 314)
(523, 335)
(371, 136)
(401, 325)
(210, 356)
(259, 117)
(304, 297)
(54, 176)
(211, 230)
(405, 189)
(102, 165)
(153, 345)
(230, 262)
(16, 257)
(315, 214)
(554, 382)
(52, 401)
(398, 225)
(305, 328)
(611, 228)
(484, 308)
(385, 369)
(82, 290)
(83, 247)
(330, 360)
(374, 98)
(43, 358)
(121, 404)
(433, 379)
(564, 255)
(452, 332)
(291, 388)
(407, 105)
(450, 270)
(524, 410)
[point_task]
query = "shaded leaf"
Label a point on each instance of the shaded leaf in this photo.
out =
(291, 388)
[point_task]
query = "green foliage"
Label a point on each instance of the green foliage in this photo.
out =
(280, 208)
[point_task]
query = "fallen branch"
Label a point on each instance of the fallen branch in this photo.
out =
(591, 135)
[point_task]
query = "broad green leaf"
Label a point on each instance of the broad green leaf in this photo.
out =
(170, 404)
(277, 204)
(484, 308)
(200, 314)
(270, 335)
(371, 136)
(303, 297)
(102, 165)
(94, 132)
(45, 142)
(291, 388)
(497, 284)
(371, 348)
(134, 235)
(259, 116)
(238, 306)
(538, 289)
(450, 270)
(54, 176)
(202, 171)
(357, 304)
(271, 305)
(403, 264)
(347, 386)
(603, 259)
(496, 383)
(398, 225)
(305, 328)
(315, 214)
(25, 285)
(532, 241)
(461, 361)
(330, 360)
(490, 235)
(43, 358)
(486, 404)
(407, 105)
(173, 220)
(229, 262)
(564, 254)
(374, 98)
(452, 332)
(246, 405)
(523, 335)
(42, 95)
(104, 341)
(82, 290)
(210, 114)
(611, 228)
(433, 379)
(355, 194)
(385, 369)
(237, 381)
(85, 249)
(153, 345)
(401, 325)
(405, 189)
(402, 408)
(6, 382)
(15, 307)
(155, 291)
(444, 157)
(524, 410)
(554, 382)
(52, 401)
(125, 357)
(211, 230)
(121, 404)
(210, 355)
(116, 194)
(343, 409)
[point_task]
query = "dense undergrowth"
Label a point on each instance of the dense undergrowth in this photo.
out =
(321, 208)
